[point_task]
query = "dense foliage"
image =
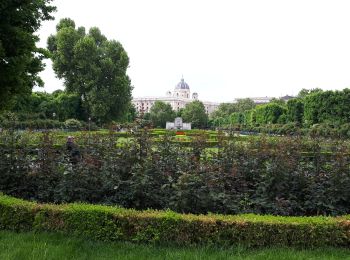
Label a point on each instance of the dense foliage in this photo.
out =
(313, 111)
(284, 176)
(161, 113)
(59, 105)
(327, 107)
(195, 113)
(92, 67)
(20, 59)
(41, 110)
(226, 109)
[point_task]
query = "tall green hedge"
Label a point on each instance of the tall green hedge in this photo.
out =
(167, 227)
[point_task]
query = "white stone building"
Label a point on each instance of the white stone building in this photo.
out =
(178, 99)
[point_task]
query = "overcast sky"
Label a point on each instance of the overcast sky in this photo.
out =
(224, 49)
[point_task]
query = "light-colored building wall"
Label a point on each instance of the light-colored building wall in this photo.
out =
(180, 97)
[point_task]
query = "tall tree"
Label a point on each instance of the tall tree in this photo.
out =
(224, 110)
(295, 110)
(245, 104)
(305, 92)
(278, 101)
(194, 113)
(92, 67)
(269, 113)
(20, 59)
(327, 107)
(160, 113)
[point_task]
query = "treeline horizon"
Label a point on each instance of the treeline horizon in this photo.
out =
(310, 107)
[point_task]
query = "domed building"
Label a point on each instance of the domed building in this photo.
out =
(182, 90)
(178, 99)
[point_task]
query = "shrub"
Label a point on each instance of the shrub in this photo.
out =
(32, 124)
(166, 227)
(274, 175)
(73, 124)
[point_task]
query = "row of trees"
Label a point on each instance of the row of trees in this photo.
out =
(161, 112)
(310, 107)
(60, 106)
(57, 106)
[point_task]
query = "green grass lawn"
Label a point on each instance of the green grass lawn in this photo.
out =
(56, 246)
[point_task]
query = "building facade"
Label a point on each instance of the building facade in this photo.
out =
(178, 99)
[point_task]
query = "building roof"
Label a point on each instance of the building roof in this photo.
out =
(182, 85)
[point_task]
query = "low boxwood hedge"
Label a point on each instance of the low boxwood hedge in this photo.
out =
(166, 227)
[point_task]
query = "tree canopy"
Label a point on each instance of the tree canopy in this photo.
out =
(58, 105)
(226, 109)
(295, 110)
(327, 107)
(194, 113)
(20, 59)
(269, 113)
(161, 113)
(92, 67)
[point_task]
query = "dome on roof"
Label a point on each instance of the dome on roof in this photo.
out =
(182, 85)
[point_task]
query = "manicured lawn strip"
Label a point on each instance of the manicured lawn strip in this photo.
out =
(169, 228)
(57, 246)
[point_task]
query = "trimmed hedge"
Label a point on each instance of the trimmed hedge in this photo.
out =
(166, 227)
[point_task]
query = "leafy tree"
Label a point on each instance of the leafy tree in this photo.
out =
(238, 118)
(92, 67)
(305, 92)
(160, 113)
(278, 101)
(194, 113)
(58, 105)
(295, 110)
(20, 59)
(244, 105)
(224, 110)
(179, 112)
(232, 113)
(331, 107)
(147, 116)
(269, 113)
(131, 114)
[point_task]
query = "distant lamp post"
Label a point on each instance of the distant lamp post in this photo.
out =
(54, 116)
(89, 135)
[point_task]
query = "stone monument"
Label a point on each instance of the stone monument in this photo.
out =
(178, 125)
